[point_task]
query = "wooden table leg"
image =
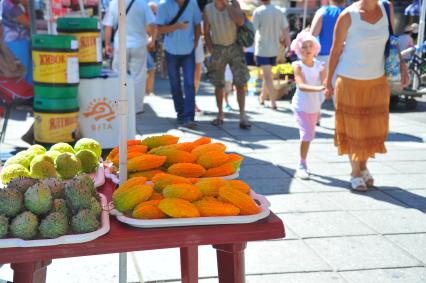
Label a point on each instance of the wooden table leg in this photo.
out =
(230, 262)
(189, 264)
(30, 272)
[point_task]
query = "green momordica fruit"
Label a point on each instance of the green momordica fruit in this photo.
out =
(54, 225)
(4, 226)
(96, 207)
(11, 202)
(60, 205)
(78, 194)
(84, 222)
(21, 184)
(56, 187)
(38, 199)
(24, 226)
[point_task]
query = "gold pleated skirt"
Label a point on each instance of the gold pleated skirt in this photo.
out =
(362, 117)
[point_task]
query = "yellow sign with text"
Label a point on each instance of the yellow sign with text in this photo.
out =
(90, 48)
(56, 127)
(55, 67)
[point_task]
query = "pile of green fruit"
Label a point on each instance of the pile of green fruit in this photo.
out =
(49, 208)
(61, 160)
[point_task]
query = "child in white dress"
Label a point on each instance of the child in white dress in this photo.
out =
(309, 75)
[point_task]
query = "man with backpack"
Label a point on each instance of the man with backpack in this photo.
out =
(222, 19)
(140, 33)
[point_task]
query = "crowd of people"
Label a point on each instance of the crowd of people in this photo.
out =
(340, 56)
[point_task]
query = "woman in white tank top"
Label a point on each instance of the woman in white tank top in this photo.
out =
(362, 92)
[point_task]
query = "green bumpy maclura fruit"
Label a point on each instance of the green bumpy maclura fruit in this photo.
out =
(89, 161)
(89, 144)
(67, 165)
(37, 149)
(42, 170)
(13, 171)
(62, 147)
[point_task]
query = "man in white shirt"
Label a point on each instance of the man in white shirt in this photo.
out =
(141, 31)
(271, 28)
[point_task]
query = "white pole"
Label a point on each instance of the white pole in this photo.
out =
(49, 17)
(122, 110)
(420, 39)
(82, 10)
(305, 14)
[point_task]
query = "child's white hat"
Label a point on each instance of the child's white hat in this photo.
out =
(296, 44)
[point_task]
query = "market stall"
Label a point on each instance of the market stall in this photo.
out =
(52, 209)
(29, 264)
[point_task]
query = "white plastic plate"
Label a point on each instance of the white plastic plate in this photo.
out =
(196, 221)
(99, 176)
(116, 179)
(66, 239)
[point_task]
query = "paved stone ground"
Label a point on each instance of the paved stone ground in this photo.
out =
(333, 234)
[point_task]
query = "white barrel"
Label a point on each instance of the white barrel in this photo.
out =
(99, 118)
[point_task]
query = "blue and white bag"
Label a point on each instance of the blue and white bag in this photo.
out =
(392, 60)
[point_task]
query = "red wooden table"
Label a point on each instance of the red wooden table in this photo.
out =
(29, 264)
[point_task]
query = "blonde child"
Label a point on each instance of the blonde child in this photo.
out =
(309, 75)
(229, 87)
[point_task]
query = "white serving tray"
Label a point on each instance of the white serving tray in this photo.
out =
(66, 239)
(99, 176)
(116, 179)
(196, 221)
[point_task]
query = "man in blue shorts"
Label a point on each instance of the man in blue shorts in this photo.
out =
(271, 28)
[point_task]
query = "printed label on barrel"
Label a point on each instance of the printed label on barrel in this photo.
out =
(98, 49)
(53, 67)
(72, 70)
(89, 46)
(56, 127)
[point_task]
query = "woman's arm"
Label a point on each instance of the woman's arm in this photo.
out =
(340, 32)
(316, 25)
(300, 82)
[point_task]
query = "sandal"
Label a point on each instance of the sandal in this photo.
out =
(217, 122)
(245, 125)
(368, 179)
(358, 184)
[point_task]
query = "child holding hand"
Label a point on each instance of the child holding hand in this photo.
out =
(309, 75)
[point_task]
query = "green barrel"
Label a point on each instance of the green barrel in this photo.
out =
(55, 105)
(55, 63)
(87, 31)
